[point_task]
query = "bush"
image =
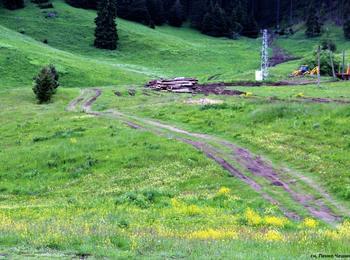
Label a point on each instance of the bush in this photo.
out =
(46, 84)
(325, 62)
(328, 44)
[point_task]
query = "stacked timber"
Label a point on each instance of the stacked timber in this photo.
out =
(177, 85)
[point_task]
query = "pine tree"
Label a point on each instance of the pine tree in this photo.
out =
(313, 25)
(251, 28)
(215, 22)
(86, 4)
(13, 4)
(198, 9)
(106, 36)
(346, 28)
(156, 11)
(175, 16)
(134, 10)
(45, 85)
(236, 27)
(346, 24)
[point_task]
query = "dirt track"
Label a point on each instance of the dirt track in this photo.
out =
(253, 170)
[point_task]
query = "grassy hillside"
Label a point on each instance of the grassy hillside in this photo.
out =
(75, 184)
(300, 46)
(143, 53)
(128, 181)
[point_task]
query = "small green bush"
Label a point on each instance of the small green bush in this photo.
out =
(328, 44)
(325, 61)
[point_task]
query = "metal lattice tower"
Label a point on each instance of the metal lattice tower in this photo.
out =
(265, 55)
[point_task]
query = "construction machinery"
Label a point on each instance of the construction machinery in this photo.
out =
(345, 75)
(304, 71)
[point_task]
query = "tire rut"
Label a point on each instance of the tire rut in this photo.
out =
(255, 165)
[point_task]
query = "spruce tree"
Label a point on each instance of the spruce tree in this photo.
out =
(346, 24)
(175, 16)
(198, 9)
(215, 22)
(106, 36)
(346, 28)
(251, 28)
(134, 10)
(313, 25)
(236, 27)
(45, 85)
(86, 4)
(156, 11)
(13, 4)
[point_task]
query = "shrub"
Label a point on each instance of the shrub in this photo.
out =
(46, 83)
(328, 44)
(325, 62)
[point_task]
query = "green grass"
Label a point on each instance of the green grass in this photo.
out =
(314, 138)
(143, 53)
(73, 184)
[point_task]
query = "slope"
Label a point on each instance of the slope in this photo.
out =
(165, 51)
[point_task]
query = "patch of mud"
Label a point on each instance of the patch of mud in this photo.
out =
(257, 166)
(325, 100)
(279, 56)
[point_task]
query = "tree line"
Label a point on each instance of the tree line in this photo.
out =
(220, 18)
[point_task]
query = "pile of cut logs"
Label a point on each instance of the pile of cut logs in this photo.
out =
(177, 85)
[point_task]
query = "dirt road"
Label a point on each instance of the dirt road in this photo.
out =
(257, 172)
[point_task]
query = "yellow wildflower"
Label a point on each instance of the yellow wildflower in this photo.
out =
(300, 95)
(310, 223)
(213, 234)
(253, 218)
(192, 210)
(247, 94)
(275, 221)
(223, 191)
(273, 235)
(175, 203)
(344, 229)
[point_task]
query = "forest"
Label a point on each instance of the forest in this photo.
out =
(228, 18)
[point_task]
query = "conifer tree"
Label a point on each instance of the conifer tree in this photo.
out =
(134, 10)
(198, 9)
(346, 24)
(236, 27)
(106, 36)
(215, 22)
(313, 25)
(346, 29)
(156, 11)
(13, 4)
(175, 16)
(251, 28)
(46, 83)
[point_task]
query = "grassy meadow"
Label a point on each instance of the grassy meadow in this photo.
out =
(77, 185)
